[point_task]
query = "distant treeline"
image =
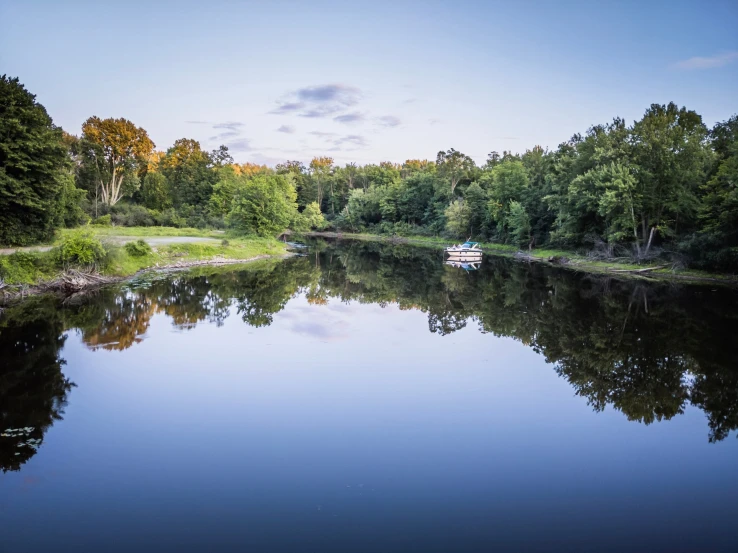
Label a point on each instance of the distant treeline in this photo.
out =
(665, 185)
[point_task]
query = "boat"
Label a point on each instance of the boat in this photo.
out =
(466, 250)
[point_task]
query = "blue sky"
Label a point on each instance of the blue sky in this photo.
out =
(370, 81)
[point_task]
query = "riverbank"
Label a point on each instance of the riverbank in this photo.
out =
(557, 258)
(36, 272)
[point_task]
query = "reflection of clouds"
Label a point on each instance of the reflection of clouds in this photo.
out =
(320, 330)
(324, 322)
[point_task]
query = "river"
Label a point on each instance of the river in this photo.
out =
(367, 397)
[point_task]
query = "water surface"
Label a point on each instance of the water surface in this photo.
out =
(367, 397)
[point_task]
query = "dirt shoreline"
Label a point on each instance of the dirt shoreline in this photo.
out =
(73, 281)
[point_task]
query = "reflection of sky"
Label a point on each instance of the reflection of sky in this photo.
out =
(351, 427)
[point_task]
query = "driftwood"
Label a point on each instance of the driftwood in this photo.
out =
(645, 270)
(72, 280)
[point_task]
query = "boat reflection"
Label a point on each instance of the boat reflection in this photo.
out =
(471, 265)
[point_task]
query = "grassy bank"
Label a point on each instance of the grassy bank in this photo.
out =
(560, 258)
(33, 267)
(150, 231)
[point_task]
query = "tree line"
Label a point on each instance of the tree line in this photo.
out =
(663, 185)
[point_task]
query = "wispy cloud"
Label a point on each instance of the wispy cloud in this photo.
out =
(231, 125)
(225, 135)
(321, 134)
(240, 145)
(409, 101)
(354, 141)
(388, 121)
(710, 62)
(287, 129)
(348, 118)
(434, 121)
(318, 101)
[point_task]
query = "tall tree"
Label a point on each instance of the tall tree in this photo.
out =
(670, 152)
(320, 168)
(118, 148)
(190, 173)
(454, 166)
(33, 161)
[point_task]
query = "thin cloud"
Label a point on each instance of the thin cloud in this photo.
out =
(389, 121)
(434, 121)
(287, 129)
(355, 140)
(241, 145)
(710, 62)
(321, 134)
(348, 118)
(231, 125)
(319, 101)
(409, 101)
(224, 135)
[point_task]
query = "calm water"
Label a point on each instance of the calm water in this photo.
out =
(368, 398)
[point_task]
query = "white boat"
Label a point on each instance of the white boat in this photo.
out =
(467, 249)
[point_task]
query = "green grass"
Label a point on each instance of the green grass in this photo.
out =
(33, 267)
(238, 248)
(150, 231)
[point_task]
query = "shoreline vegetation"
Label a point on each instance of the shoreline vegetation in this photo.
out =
(28, 273)
(80, 261)
(556, 258)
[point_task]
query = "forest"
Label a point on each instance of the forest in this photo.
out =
(664, 186)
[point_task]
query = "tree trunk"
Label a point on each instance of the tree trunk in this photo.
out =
(650, 239)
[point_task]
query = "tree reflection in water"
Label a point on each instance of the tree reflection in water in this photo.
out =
(648, 350)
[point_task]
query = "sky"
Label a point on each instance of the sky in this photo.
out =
(370, 81)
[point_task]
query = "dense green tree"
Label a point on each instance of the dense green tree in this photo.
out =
(458, 218)
(670, 152)
(507, 182)
(476, 198)
(263, 204)
(190, 173)
(155, 191)
(33, 162)
(453, 167)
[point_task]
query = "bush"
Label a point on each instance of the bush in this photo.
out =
(225, 243)
(25, 267)
(104, 221)
(80, 248)
(139, 248)
(170, 218)
(132, 216)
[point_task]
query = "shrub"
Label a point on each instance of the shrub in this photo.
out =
(170, 218)
(225, 243)
(24, 267)
(80, 248)
(139, 248)
(132, 216)
(103, 221)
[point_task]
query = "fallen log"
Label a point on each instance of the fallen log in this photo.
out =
(645, 270)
